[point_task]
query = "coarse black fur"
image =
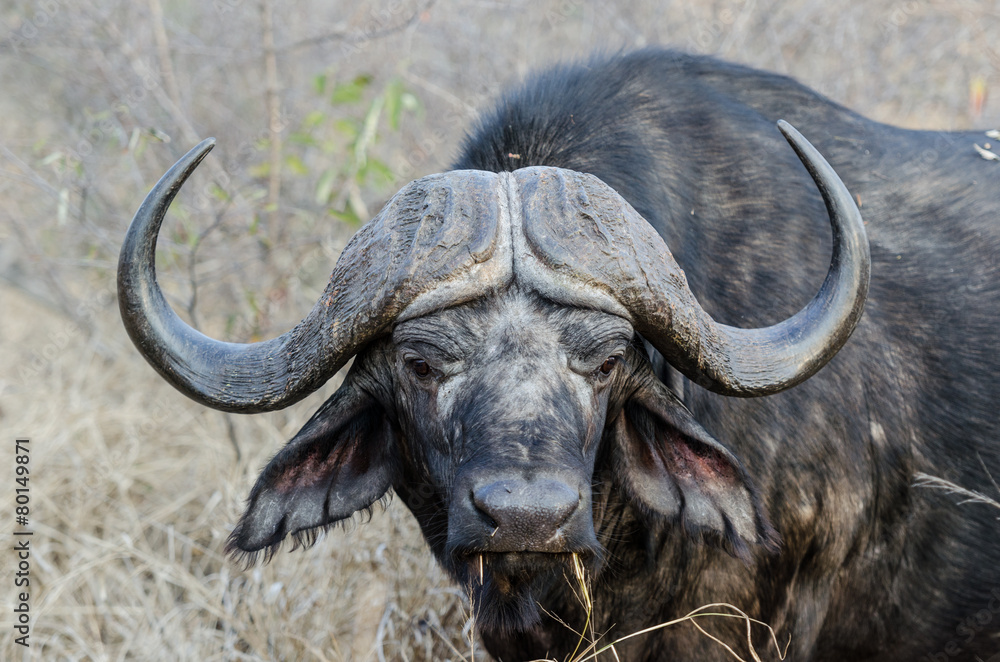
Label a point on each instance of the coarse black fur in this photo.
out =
(871, 567)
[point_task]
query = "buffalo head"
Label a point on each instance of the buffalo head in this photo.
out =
(502, 384)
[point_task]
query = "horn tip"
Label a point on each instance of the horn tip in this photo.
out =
(790, 133)
(204, 147)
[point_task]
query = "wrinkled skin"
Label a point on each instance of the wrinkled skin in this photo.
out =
(518, 396)
(516, 390)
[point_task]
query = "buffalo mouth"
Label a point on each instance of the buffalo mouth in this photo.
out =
(508, 569)
(503, 586)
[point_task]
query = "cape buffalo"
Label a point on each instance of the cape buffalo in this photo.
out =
(541, 382)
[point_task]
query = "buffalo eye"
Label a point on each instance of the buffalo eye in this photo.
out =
(609, 365)
(420, 367)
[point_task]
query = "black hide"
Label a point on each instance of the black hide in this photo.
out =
(870, 567)
(689, 492)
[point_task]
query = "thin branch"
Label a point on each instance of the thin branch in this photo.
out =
(273, 102)
(358, 36)
(142, 72)
(193, 261)
(231, 430)
(163, 50)
(56, 296)
(188, 132)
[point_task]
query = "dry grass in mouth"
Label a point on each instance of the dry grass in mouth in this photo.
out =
(589, 646)
(692, 616)
(594, 648)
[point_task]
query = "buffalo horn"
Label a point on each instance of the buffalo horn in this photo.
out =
(421, 242)
(612, 259)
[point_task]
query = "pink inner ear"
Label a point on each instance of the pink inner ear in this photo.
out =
(684, 457)
(673, 467)
(695, 458)
(320, 463)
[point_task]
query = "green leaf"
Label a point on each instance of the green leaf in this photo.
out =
(349, 127)
(324, 188)
(319, 84)
(251, 299)
(379, 171)
(393, 95)
(255, 193)
(314, 119)
(52, 158)
(350, 92)
(219, 193)
(302, 138)
(295, 164)
(262, 169)
(346, 215)
(192, 236)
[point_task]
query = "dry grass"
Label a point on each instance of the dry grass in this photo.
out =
(715, 610)
(592, 645)
(134, 491)
(968, 496)
(134, 488)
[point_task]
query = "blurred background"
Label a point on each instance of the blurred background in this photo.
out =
(322, 110)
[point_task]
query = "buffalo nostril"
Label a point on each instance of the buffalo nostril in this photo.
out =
(529, 511)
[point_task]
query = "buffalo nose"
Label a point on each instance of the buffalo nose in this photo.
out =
(525, 513)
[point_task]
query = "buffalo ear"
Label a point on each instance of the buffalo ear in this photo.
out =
(674, 469)
(340, 462)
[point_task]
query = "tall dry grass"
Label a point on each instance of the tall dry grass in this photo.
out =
(134, 488)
